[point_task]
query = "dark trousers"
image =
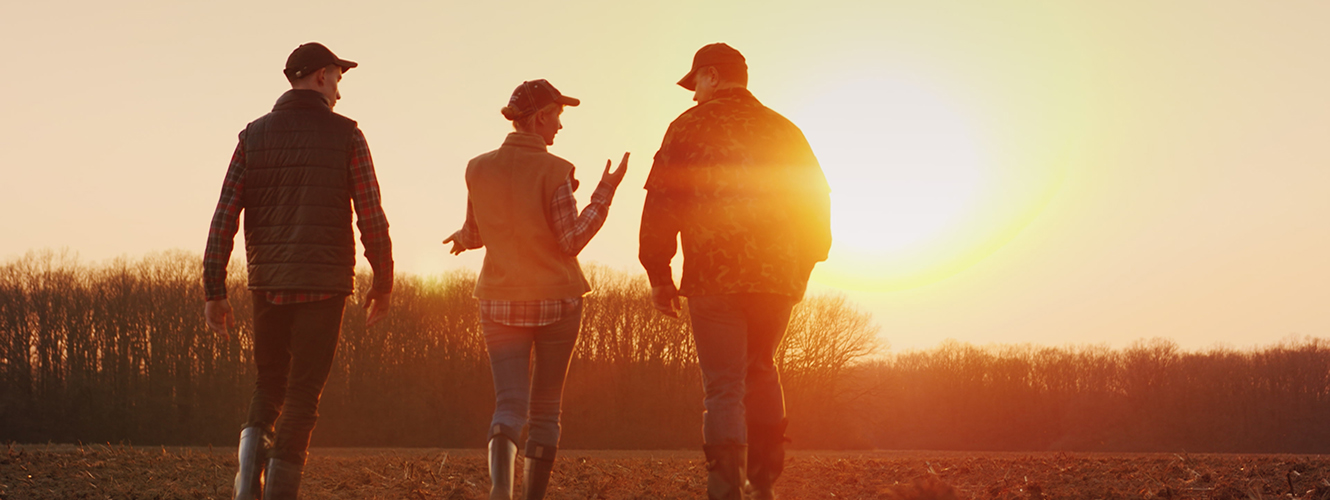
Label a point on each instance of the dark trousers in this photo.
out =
(736, 337)
(294, 345)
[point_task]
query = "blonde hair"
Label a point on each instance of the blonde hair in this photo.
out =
(523, 123)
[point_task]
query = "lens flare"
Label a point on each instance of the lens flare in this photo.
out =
(906, 167)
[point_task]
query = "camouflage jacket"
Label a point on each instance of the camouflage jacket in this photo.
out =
(741, 185)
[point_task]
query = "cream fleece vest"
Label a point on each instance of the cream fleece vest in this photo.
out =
(510, 190)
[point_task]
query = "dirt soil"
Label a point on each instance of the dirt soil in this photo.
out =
(116, 472)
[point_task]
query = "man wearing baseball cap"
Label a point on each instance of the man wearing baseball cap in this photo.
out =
(296, 174)
(741, 185)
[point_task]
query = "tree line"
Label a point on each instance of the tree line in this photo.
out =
(119, 352)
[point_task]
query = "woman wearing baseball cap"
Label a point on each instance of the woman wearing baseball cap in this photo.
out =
(521, 208)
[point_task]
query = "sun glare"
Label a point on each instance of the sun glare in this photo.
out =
(905, 166)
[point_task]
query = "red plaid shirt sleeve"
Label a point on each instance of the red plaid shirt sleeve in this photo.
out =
(225, 223)
(575, 231)
(469, 235)
(370, 218)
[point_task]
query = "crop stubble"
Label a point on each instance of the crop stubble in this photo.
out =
(120, 471)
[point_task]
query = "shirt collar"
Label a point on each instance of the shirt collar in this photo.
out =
(733, 92)
(301, 99)
(524, 140)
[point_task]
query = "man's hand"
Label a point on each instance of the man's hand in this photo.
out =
(457, 246)
(615, 177)
(217, 313)
(377, 304)
(665, 298)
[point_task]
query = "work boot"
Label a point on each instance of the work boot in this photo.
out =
(766, 459)
(725, 471)
(249, 476)
(539, 465)
(503, 452)
(283, 480)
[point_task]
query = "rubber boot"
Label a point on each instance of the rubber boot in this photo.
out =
(283, 480)
(766, 459)
(725, 471)
(539, 466)
(503, 452)
(249, 476)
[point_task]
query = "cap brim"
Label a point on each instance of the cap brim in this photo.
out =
(345, 64)
(567, 101)
(688, 81)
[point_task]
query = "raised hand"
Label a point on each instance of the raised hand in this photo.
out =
(615, 177)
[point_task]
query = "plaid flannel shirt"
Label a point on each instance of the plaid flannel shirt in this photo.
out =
(370, 219)
(574, 232)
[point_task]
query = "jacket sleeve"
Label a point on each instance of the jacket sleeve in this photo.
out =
(662, 216)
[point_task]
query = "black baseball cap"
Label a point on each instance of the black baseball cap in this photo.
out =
(531, 96)
(715, 54)
(311, 56)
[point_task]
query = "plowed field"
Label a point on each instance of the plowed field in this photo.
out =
(115, 472)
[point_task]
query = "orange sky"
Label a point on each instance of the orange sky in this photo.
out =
(1047, 172)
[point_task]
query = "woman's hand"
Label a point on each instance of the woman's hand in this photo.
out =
(457, 245)
(615, 177)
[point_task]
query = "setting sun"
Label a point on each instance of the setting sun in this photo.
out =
(907, 168)
(1074, 249)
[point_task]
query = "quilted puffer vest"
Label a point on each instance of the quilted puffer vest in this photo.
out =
(297, 193)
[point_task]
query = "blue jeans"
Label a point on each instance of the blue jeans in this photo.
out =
(736, 337)
(518, 387)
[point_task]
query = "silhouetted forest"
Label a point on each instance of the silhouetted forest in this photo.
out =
(119, 352)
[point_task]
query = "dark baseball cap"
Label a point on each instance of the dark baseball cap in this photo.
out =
(715, 54)
(311, 56)
(531, 96)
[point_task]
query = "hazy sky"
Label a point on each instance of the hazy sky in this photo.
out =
(1046, 172)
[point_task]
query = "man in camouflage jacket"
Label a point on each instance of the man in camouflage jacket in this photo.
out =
(741, 185)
